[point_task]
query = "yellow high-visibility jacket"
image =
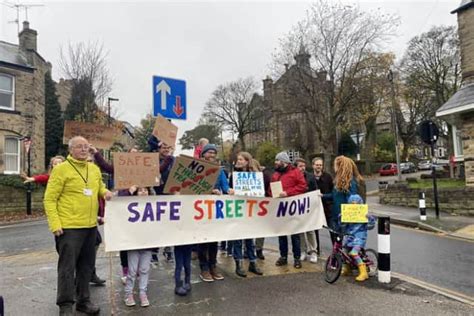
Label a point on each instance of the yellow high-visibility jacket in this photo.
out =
(66, 202)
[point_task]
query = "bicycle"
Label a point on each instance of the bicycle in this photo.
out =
(339, 256)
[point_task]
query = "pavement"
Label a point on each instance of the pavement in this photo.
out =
(449, 224)
(28, 285)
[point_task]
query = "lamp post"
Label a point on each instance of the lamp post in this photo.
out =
(109, 122)
(108, 108)
(394, 122)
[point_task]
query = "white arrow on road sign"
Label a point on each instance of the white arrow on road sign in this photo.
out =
(164, 89)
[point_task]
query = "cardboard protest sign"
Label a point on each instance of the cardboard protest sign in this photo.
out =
(99, 136)
(276, 188)
(354, 213)
(132, 222)
(165, 131)
(140, 169)
(192, 176)
(248, 183)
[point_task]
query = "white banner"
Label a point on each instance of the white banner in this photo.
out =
(133, 222)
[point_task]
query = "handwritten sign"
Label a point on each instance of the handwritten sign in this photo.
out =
(354, 213)
(192, 176)
(98, 135)
(248, 183)
(165, 131)
(140, 169)
(276, 188)
(132, 222)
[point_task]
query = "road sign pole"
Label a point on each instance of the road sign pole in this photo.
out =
(435, 187)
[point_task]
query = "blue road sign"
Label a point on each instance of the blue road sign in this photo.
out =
(169, 98)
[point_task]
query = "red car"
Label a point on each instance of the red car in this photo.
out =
(389, 169)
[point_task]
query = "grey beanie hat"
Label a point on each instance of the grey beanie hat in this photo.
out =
(207, 148)
(283, 157)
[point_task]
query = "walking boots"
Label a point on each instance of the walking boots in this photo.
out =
(254, 269)
(239, 268)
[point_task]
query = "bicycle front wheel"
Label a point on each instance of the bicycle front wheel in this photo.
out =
(333, 267)
(372, 262)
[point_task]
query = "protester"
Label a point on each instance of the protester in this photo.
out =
(198, 149)
(347, 181)
(321, 180)
(355, 239)
(43, 178)
(293, 183)
(139, 262)
(267, 177)
(308, 239)
(166, 163)
(71, 205)
(207, 252)
(245, 164)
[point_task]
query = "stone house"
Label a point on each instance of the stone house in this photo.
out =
(22, 102)
(459, 109)
(290, 110)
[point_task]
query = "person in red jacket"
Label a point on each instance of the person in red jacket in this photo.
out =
(43, 178)
(293, 183)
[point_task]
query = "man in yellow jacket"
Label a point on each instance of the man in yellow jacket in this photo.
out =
(71, 205)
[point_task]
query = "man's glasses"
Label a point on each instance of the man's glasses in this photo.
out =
(79, 146)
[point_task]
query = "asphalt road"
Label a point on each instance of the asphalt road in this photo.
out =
(373, 183)
(443, 261)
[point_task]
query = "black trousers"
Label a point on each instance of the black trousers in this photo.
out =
(207, 254)
(76, 249)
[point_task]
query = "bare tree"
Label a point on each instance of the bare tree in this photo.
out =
(338, 37)
(87, 62)
(229, 106)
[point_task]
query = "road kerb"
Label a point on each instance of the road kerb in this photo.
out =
(436, 289)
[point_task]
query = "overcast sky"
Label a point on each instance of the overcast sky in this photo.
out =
(204, 43)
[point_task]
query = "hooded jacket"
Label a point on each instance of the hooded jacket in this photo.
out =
(65, 203)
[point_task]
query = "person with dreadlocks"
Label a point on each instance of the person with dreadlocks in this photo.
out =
(347, 182)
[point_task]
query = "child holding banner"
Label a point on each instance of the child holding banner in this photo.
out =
(245, 163)
(207, 252)
(139, 262)
(356, 239)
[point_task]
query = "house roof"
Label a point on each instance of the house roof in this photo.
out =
(12, 54)
(465, 4)
(461, 101)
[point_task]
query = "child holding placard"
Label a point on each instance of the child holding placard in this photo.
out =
(138, 263)
(356, 239)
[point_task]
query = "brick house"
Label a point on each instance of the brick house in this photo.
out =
(22, 102)
(459, 109)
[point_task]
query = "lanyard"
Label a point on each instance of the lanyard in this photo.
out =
(87, 171)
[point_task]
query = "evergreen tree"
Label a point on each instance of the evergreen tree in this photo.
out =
(54, 123)
(81, 106)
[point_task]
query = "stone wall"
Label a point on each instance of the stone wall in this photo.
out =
(14, 199)
(452, 200)
(468, 146)
(466, 37)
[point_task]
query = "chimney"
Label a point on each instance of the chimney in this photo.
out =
(28, 37)
(302, 59)
(466, 37)
(267, 88)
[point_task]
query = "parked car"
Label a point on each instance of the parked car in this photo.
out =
(389, 169)
(407, 167)
(424, 165)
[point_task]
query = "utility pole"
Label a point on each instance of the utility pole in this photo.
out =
(27, 144)
(109, 122)
(394, 122)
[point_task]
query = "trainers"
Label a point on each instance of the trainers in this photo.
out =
(129, 300)
(206, 276)
(297, 264)
(313, 258)
(303, 256)
(123, 279)
(180, 290)
(282, 261)
(144, 302)
(187, 287)
(216, 275)
(169, 257)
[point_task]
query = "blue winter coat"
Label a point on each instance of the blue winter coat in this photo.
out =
(222, 183)
(357, 233)
(338, 198)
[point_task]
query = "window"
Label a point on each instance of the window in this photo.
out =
(12, 155)
(458, 143)
(7, 92)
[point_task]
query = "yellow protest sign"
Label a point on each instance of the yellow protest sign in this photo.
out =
(354, 213)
